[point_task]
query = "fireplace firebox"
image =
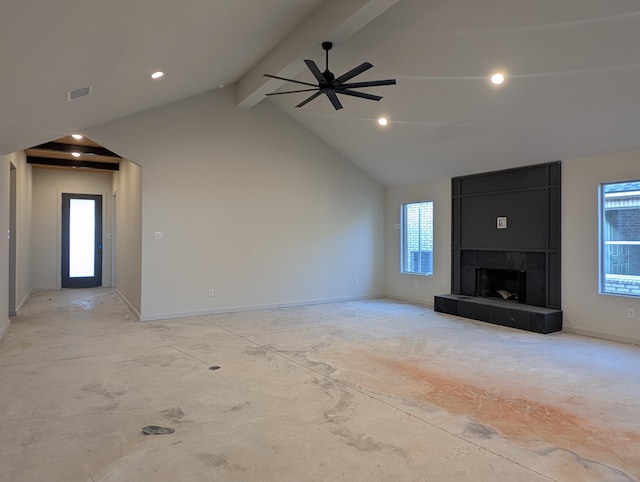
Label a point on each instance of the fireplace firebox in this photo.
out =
(505, 284)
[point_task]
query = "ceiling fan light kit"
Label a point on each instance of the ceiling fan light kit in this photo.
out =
(330, 85)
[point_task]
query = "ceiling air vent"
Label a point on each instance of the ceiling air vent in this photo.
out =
(77, 93)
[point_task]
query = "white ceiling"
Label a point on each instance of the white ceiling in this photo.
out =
(572, 90)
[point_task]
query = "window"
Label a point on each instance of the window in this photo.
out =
(417, 238)
(620, 238)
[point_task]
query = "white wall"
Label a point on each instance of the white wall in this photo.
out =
(413, 287)
(586, 311)
(24, 195)
(22, 233)
(4, 244)
(48, 186)
(251, 205)
(127, 238)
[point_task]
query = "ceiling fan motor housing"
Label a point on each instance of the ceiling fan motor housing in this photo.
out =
(328, 76)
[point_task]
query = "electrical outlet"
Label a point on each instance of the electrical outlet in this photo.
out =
(210, 291)
(356, 281)
(631, 313)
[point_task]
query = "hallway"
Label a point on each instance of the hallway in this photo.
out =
(372, 390)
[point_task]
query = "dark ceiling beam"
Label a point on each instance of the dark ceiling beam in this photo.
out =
(49, 161)
(60, 147)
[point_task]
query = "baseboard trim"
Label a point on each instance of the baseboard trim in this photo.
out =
(132, 309)
(237, 309)
(428, 304)
(4, 327)
(601, 335)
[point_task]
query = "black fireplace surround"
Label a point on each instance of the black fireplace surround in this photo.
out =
(483, 273)
(506, 284)
(505, 253)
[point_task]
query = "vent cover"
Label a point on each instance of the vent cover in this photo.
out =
(77, 93)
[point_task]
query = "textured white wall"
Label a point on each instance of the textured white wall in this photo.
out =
(24, 214)
(412, 287)
(251, 205)
(48, 184)
(128, 233)
(586, 311)
(22, 233)
(4, 244)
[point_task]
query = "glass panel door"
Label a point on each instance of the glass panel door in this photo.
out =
(81, 240)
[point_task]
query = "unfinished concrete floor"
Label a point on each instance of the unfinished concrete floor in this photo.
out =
(359, 391)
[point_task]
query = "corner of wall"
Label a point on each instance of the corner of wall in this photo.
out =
(128, 304)
(4, 327)
(24, 299)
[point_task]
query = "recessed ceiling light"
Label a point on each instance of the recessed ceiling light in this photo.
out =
(77, 137)
(382, 121)
(497, 78)
(75, 154)
(157, 75)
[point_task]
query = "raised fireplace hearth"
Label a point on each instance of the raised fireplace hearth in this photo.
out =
(519, 275)
(500, 312)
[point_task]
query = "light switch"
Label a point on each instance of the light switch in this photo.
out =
(158, 235)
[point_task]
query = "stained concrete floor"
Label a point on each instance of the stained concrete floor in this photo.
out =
(370, 390)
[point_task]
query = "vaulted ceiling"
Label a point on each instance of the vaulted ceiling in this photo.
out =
(572, 67)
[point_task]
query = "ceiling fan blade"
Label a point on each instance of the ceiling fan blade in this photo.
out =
(289, 80)
(370, 83)
(315, 71)
(334, 100)
(352, 73)
(362, 95)
(292, 91)
(309, 99)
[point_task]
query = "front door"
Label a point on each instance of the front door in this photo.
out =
(81, 240)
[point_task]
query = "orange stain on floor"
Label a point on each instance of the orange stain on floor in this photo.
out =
(520, 418)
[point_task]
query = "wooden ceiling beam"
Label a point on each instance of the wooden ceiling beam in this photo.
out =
(69, 148)
(50, 161)
(67, 155)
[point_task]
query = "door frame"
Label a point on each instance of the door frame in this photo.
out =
(106, 247)
(13, 246)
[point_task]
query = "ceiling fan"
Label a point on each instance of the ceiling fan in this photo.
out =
(330, 85)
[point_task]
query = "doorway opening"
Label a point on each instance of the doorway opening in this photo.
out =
(81, 240)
